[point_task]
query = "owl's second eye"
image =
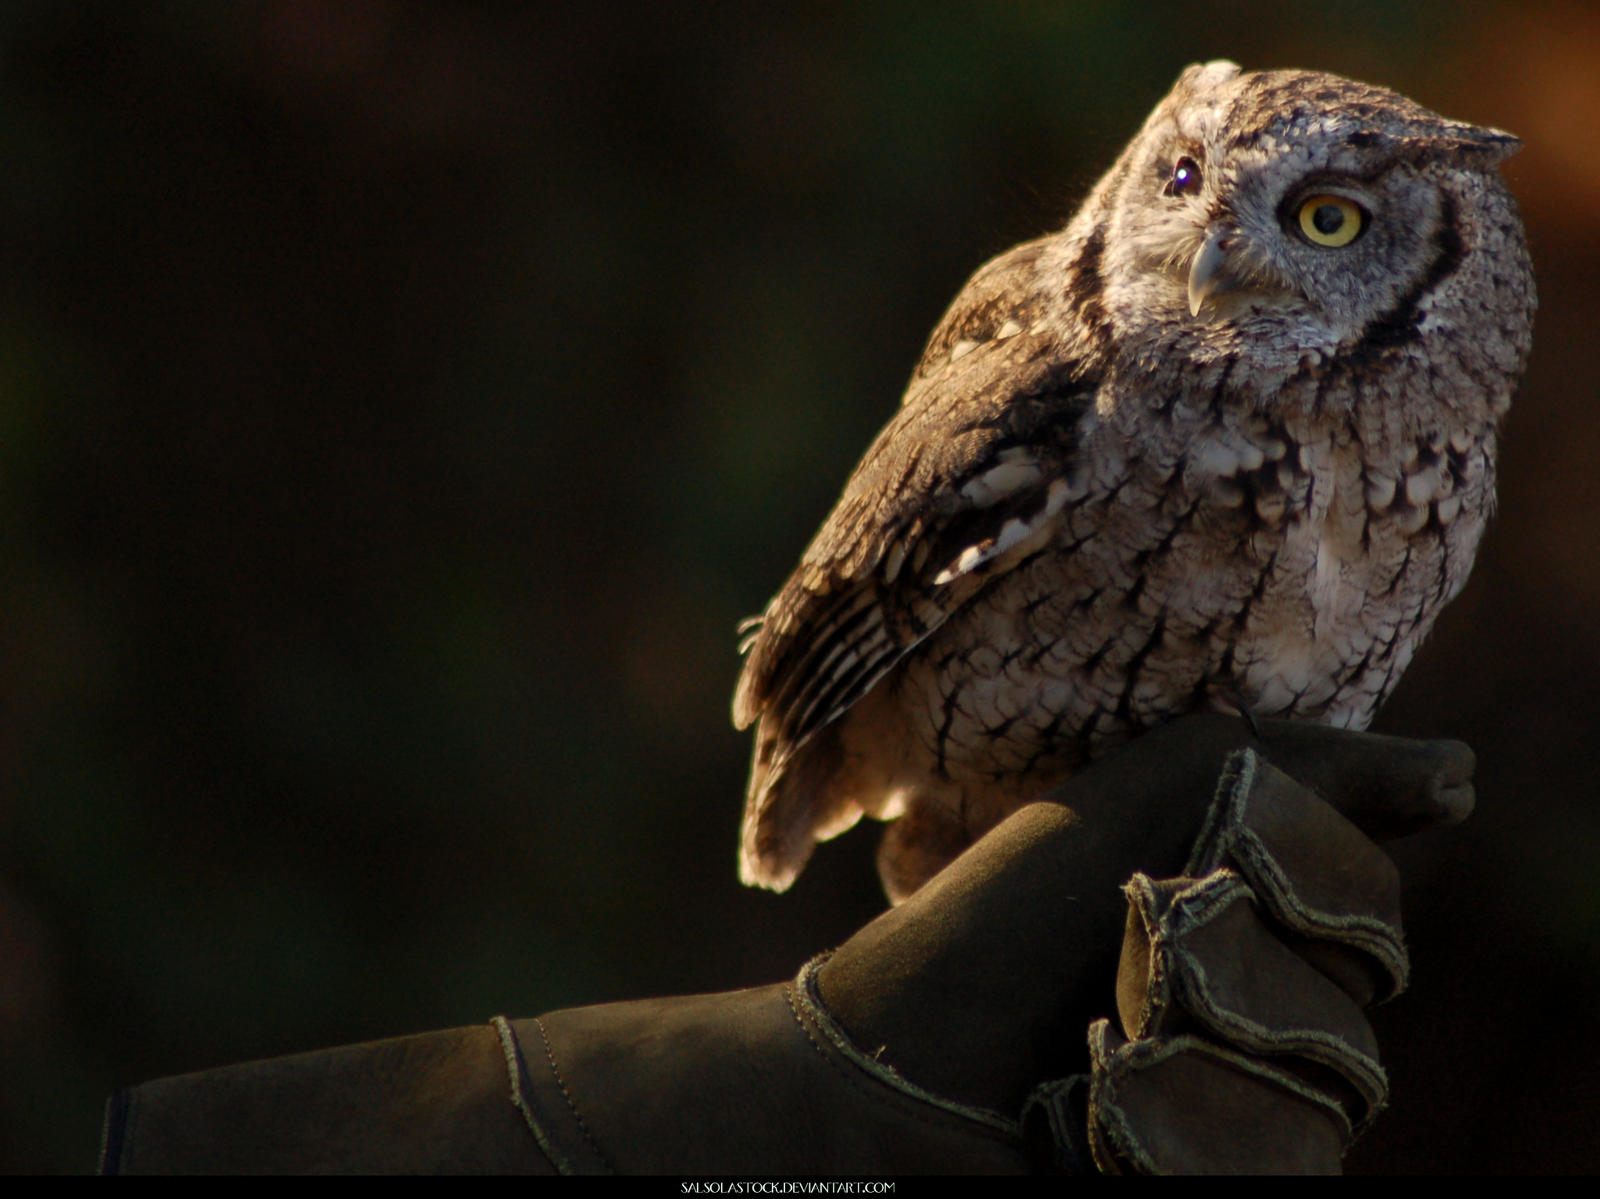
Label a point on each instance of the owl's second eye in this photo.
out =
(1331, 221)
(1185, 179)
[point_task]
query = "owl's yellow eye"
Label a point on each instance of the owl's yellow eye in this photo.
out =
(1331, 220)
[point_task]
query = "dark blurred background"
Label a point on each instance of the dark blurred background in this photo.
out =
(400, 404)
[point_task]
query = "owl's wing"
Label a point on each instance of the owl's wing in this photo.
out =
(967, 480)
(956, 490)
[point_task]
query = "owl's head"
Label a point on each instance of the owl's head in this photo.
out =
(1279, 212)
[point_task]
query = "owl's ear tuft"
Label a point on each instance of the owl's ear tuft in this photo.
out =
(1492, 146)
(1476, 146)
(1199, 75)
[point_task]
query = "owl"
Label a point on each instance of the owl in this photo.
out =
(1226, 441)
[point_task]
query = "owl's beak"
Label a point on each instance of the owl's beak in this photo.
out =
(1215, 270)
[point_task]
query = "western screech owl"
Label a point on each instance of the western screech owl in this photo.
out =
(1227, 440)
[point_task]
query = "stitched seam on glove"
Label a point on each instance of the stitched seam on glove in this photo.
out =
(1142, 1054)
(555, 1070)
(1109, 1067)
(1177, 972)
(1362, 1071)
(517, 1068)
(1226, 835)
(1363, 932)
(123, 1161)
(805, 1003)
(1064, 1105)
(1237, 776)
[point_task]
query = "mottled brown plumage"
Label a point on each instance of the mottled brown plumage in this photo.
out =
(1227, 439)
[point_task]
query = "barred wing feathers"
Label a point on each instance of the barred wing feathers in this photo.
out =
(924, 523)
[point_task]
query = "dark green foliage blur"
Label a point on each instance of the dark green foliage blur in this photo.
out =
(401, 404)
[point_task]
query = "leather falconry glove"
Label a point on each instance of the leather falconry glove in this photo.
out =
(917, 1045)
(1240, 991)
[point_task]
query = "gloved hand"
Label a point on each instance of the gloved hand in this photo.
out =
(1241, 986)
(980, 985)
(915, 1046)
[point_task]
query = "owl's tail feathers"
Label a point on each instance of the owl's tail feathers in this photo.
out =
(795, 800)
(917, 846)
